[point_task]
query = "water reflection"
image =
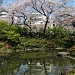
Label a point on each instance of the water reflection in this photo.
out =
(43, 66)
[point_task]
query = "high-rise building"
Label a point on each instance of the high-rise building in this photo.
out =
(1, 1)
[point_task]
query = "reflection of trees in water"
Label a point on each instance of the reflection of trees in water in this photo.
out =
(64, 66)
(37, 67)
(44, 62)
(8, 66)
(43, 66)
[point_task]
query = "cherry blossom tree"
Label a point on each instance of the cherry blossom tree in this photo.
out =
(46, 8)
(66, 16)
(12, 9)
(25, 15)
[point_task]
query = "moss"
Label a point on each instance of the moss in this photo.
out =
(38, 54)
(37, 43)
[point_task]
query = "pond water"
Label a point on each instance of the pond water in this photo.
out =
(38, 66)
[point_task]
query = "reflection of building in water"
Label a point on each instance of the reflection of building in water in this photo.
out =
(23, 68)
(39, 68)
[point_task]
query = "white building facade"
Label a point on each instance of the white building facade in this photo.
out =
(38, 20)
(6, 17)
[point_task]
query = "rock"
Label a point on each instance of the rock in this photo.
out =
(72, 49)
(63, 54)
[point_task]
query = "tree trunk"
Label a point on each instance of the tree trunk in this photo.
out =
(30, 28)
(12, 19)
(44, 62)
(12, 22)
(44, 31)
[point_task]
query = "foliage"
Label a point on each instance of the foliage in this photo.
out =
(61, 36)
(40, 33)
(1, 45)
(13, 37)
(37, 54)
(2, 23)
(37, 43)
(50, 45)
(9, 66)
(58, 32)
(24, 31)
(19, 37)
(9, 33)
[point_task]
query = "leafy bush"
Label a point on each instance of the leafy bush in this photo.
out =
(37, 43)
(1, 44)
(50, 44)
(9, 33)
(13, 37)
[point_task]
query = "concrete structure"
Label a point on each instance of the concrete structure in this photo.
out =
(38, 20)
(6, 17)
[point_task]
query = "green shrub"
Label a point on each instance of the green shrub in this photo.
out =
(13, 37)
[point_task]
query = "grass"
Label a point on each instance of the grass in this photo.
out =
(24, 55)
(34, 55)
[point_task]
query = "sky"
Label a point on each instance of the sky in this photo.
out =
(5, 2)
(70, 3)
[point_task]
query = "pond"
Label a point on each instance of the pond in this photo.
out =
(37, 66)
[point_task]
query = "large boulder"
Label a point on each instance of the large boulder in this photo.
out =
(72, 49)
(63, 54)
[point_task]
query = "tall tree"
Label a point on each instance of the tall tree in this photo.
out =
(25, 15)
(66, 16)
(46, 8)
(12, 9)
